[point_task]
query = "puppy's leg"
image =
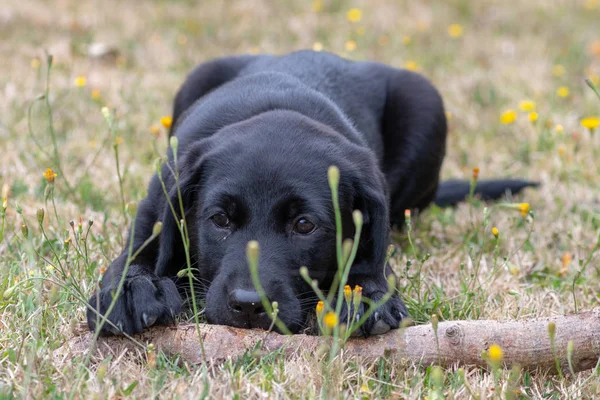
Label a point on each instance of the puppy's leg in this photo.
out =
(413, 129)
(145, 298)
(414, 135)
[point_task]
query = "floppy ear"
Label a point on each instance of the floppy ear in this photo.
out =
(371, 199)
(171, 252)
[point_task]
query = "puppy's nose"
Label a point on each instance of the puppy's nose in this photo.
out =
(246, 302)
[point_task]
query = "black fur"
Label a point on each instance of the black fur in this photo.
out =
(256, 137)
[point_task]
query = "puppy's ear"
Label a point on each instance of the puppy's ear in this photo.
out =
(171, 253)
(371, 199)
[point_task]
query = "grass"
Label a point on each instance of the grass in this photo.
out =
(452, 267)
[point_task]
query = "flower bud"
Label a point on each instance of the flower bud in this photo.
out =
(40, 215)
(347, 293)
(8, 293)
(157, 228)
(174, 143)
(304, 272)
(357, 295)
(131, 208)
(346, 249)
(183, 273)
(252, 252)
(357, 217)
(333, 176)
(320, 308)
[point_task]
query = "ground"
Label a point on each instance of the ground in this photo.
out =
(486, 57)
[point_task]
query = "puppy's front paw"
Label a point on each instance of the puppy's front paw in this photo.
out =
(145, 300)
(385, 317)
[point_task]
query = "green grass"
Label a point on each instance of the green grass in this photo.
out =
(452, 266)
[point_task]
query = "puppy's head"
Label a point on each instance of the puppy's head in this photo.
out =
(265, 179)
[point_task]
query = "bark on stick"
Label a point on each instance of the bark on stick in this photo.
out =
(525, 342)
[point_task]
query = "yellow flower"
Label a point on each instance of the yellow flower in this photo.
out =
(330, 320)
(357, 295)
(455, 30)
(595, 79)
(448, 115)
(347, 293)
(4, 203)
(320, 307)
(155, 129)
(406, 39)
(533, 116)
(559, 128)
(495, 353)
(561, 151)
(50, 175)
(35, 63)
(317, 46)
(166, 122)
(411, 66)
(80, 81)
(590, 122)
(524, 209)
(508, 117)
(591, 4)
(475, 172)
(562, 91)
(558, 70)
(317, 5)
(50, 268)
(566, 261)
(354, 15)
(118, 140)
(95, 94)
(527, 105)
(350, 45)
(495, 232)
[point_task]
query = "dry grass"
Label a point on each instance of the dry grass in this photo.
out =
(507, 53)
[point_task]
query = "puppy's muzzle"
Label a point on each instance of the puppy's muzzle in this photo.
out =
(246, 305)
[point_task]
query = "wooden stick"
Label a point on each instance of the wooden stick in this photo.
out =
(525, 343)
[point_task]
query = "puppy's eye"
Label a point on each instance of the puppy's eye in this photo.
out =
(304, 226)
(221, 220)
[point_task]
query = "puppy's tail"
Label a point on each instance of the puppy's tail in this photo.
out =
(454, 191)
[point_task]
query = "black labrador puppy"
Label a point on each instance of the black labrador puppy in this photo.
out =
(256, 136)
